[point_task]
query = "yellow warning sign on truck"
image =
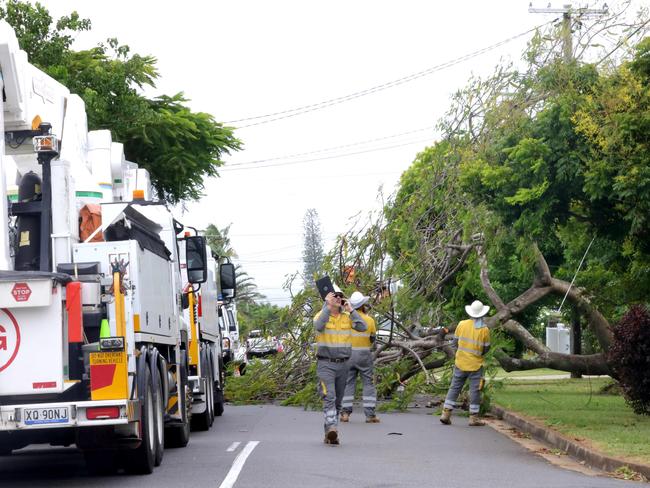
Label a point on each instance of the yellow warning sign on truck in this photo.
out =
(108, 376)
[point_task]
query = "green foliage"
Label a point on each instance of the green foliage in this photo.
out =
(288, 377)
(258, 385)
(561, 158)
(219, 241)
(177, 146)
(45, 41)
(221, 247)
(261, 316)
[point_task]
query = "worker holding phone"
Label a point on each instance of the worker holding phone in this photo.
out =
(334, 325)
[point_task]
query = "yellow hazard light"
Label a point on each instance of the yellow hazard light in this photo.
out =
(138, 194)
(36, 122)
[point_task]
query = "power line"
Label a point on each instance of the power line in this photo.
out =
(384, 148)
(334, 148)
(283, 114)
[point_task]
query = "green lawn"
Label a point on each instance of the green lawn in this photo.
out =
(501, 373)
(577, 409)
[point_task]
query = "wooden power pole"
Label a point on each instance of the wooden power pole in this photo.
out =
(568, 12)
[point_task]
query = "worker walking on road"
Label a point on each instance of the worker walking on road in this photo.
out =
(334, 324)
(472, 339)
(361, 364)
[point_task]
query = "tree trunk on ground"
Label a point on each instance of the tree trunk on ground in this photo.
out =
(544, 284)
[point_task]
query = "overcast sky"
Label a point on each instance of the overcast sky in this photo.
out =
(241, 59)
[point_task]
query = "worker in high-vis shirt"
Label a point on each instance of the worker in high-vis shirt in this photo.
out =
(334, 325)
(361, 363)
(472, 339)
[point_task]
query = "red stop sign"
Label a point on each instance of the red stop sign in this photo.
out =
(21, 292)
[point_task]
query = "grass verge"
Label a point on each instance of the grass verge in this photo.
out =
(501, 373)
(577, 408)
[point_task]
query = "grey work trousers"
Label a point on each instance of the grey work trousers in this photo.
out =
(361, 364)
(331, 386)
(457, 383)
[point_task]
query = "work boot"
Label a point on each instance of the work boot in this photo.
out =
(445, 418)
(373, 419)
(345, 417)
(475, 421)
(332, 436)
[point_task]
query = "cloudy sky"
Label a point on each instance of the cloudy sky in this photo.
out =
(246, 58)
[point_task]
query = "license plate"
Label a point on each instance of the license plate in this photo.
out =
(39, 416)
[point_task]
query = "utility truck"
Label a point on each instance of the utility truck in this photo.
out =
(94, 347)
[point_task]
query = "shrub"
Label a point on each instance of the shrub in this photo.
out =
(629, 357)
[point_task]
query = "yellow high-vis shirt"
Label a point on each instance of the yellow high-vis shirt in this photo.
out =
(334, 340)
(471, 341)
(361, 340)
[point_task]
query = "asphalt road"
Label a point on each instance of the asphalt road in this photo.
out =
(282, 447)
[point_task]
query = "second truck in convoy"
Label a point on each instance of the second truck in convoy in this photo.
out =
(109, 335)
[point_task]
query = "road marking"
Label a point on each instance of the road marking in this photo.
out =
(233, 446)
(238, 464)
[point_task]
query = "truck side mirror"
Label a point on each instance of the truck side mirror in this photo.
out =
(196, 259)
(228, 280)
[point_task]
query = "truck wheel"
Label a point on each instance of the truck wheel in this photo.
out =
(218, 403)
(179, 435)
(141, 460)
(201, 421)
(218, 394)
(159, 409)
(211, 391)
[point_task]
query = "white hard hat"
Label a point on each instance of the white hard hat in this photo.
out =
(357, 299)
(337, 290)
(476, 309)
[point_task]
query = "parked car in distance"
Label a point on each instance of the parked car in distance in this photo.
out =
(258, 346)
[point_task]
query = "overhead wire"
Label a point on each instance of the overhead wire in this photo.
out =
(333, 148)
(290, 163)
(284, 114)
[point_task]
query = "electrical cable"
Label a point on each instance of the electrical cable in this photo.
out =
(283, 114)
(384, 148)
(575, 275)
(333, 148)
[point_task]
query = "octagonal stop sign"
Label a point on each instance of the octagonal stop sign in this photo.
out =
(21, 292)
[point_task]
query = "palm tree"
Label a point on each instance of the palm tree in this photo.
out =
(219, 243)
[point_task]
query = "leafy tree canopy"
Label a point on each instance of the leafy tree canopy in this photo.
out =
(177, 146)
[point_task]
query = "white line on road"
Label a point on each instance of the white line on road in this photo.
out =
(233, 446)
(238, 464)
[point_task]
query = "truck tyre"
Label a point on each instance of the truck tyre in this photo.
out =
(218, 394)
(201, 421)
(211, 388)
(141, 459)
(179, 435)
(159, 408)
